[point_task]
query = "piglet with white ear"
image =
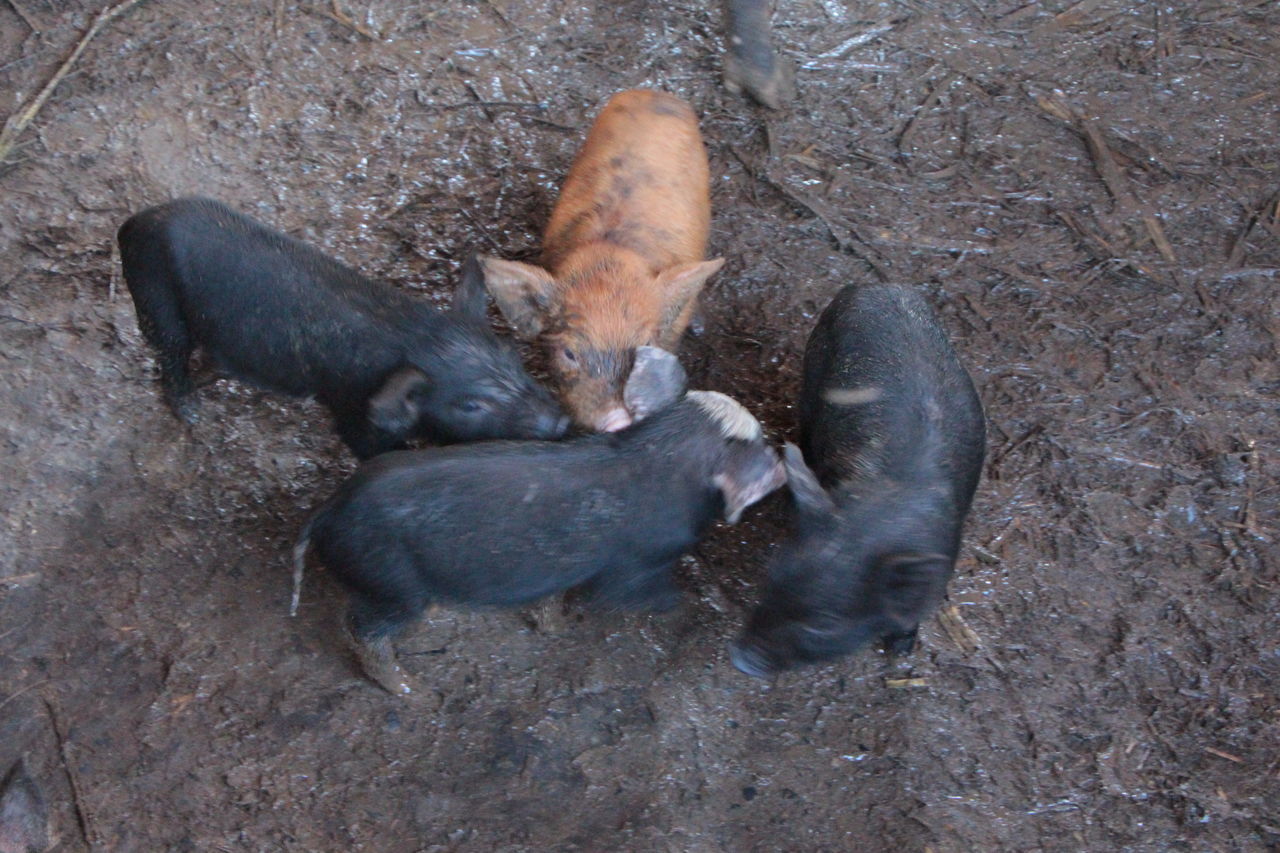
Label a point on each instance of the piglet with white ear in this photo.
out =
(506, 523)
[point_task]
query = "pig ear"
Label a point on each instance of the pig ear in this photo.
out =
(395, 407)
(471, 299)
(679, 286)
(656, 381)
(748, 481)
(805, 488)
(524, 293)
(910, 584)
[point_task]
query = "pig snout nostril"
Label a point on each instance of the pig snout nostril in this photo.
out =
(613, 420)
(748, 659)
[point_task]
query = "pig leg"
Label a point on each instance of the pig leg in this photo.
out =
(900, 645)
(648, 590)
(751, 63)
(547, 616)
(371, 627)
(162, 325)
(365, 440)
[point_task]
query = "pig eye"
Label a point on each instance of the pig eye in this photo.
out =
(569, 356)
(468, 407)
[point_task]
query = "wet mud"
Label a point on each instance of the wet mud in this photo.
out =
(1087, 193)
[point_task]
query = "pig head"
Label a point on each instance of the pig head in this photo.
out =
(852, 573)
(591, 319)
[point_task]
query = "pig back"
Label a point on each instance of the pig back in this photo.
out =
(279, 311)
(501, 523)
(640, 181)
(885, 395)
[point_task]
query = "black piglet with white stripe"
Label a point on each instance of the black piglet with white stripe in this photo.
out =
(893, 434)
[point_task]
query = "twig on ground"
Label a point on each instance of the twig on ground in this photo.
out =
(1101, 242)
(115, 271)
(475, 96)
(486, 105)
(1249, 515)
(1104, 161)
(1004, 452)
(835, 9)
(879, 28)
(909, 131)
(845, 233)
(553, 124)
(82, 814)
(19, 121)
(887, 237)
(1073, 16)
(479, 226)
(492, 7)
(335, 13)
(958, 630)
(1221, 754)
(22, 13)
(1235, 258)
(26, 689)
(1119, 187)
(1026, 10)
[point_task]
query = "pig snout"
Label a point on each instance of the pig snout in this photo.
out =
(750, 660)
(656, 381)
(613, 420)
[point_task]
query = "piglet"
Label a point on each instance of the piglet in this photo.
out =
(281, 315)
(622, 257)
(506, 523)
(894, 432)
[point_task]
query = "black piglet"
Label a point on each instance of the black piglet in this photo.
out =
(281, 315)
(894, 437)
(505, 523)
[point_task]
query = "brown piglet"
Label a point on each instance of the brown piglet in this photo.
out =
(622, 257)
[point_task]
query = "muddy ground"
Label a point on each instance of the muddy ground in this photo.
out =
(1086, 191)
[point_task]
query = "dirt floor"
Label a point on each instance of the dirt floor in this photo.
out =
(1087, 192)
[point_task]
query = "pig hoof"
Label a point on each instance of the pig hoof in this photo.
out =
(393, 679)
(749, 660)
(184, 409)
(770, 82)
(900, 645)
(547, 617)
(379, 663)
